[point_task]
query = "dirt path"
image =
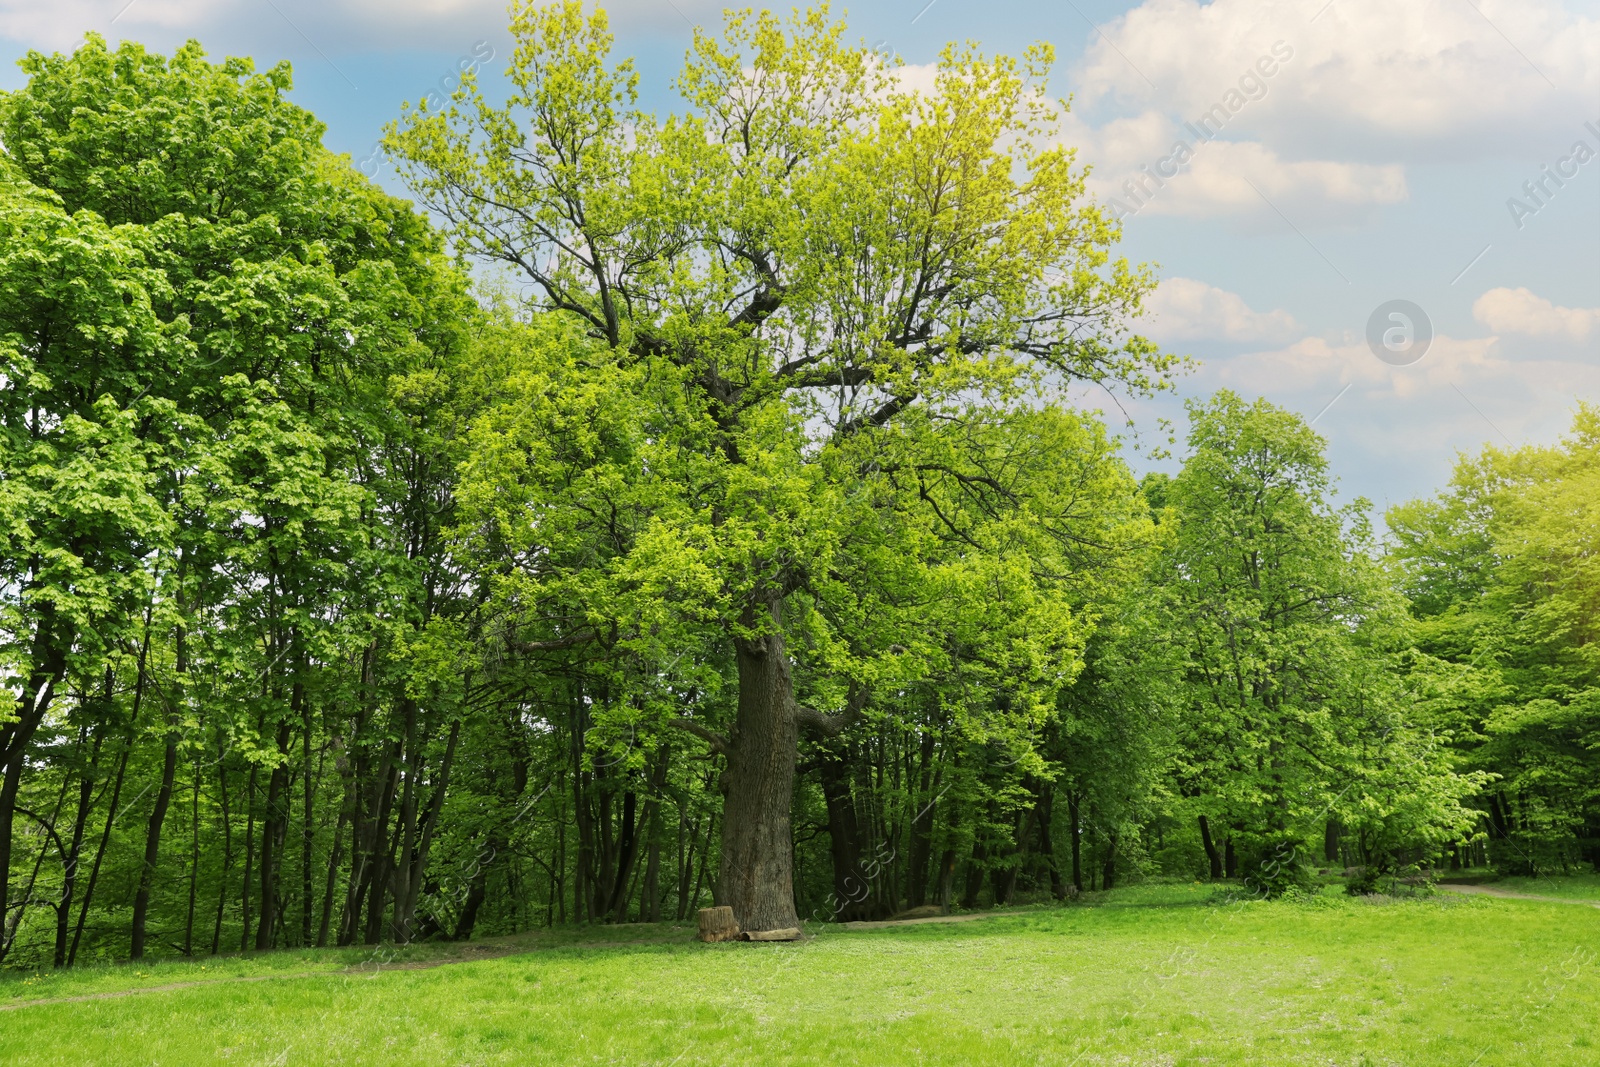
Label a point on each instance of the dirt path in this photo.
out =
(1507, 894)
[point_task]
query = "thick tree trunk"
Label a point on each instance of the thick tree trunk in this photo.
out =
(1330, 841)
(756, 876)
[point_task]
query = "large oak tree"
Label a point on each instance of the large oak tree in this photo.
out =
(823, 259)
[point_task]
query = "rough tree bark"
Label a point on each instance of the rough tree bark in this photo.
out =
(756, 876)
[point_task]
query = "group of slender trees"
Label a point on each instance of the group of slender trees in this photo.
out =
(726, 537)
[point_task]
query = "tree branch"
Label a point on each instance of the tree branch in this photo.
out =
(819, 722)
(582, 637)
(718, 743)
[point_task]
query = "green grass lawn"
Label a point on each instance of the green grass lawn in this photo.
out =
(1154, 976)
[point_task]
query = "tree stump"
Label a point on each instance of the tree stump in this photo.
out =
(718, 924)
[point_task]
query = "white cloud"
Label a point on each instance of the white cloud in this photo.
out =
(1518, 311)
(1421, 79)
(1183, 309)
(1226, 179)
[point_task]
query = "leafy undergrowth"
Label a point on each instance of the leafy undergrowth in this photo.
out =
(1166, 975)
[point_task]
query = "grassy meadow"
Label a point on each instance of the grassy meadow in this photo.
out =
(1167, 975)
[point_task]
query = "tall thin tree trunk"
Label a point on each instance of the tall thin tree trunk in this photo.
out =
(169, 770)
(249, 855)
(116, 791)
(273, 829)
(334, 862)
(399, 924)
(48, 659)
(1108, 879)
(1076, 829)
(307, 826)
(615, 905)
(850, 896)
(975, 868)
(650, 906)
(921, 829)
(152, 840)
(80, 822)
(1047, 848)
(227, 846)
(688, 834)
(99, 854)
(194, 862)
(1213, 857)
(705, 853)
(425, 831)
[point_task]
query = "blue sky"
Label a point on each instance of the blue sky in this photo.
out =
(1368, 151)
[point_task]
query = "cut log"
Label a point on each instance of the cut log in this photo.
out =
(788, 933)
(718, 924)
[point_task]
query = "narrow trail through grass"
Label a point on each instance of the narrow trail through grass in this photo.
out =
(1511, 894)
